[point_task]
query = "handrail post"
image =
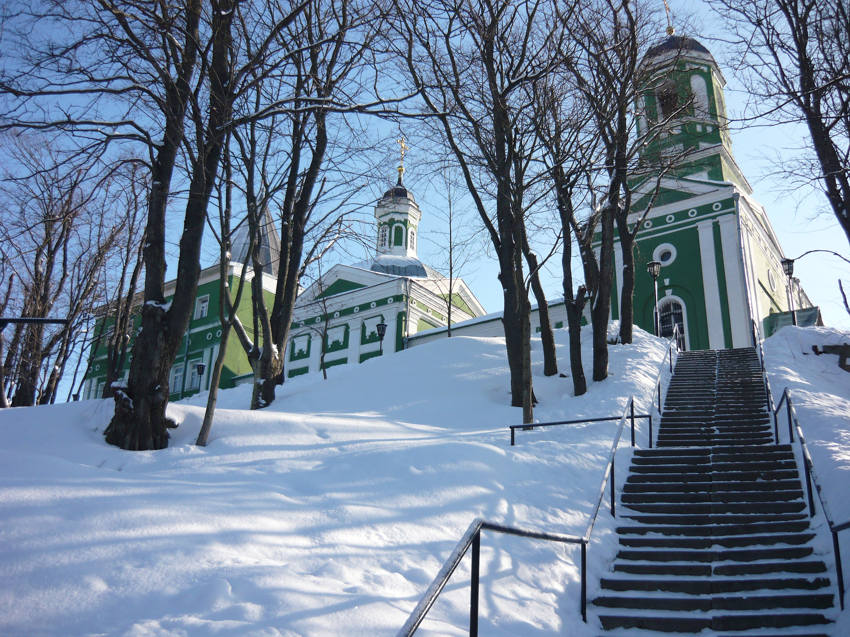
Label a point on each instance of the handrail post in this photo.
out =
(670, 352)
(788, 412)
(632, 403)
(473, 585)
(513, 436)
(650, 431)
(613, 465)
(775, 427)
(658, 394)
(584, 580)
(808, 467)
(838, 571)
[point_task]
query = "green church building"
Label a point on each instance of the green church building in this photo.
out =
(335, 320)
(720, 258)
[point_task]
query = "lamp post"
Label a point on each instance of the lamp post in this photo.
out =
(200, 368)
(382, 330)
(788, 269)
(654, 269)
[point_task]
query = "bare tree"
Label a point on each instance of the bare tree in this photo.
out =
(456, 245)
(284, 160)
(470, 61)
(57, 235)
(562, 124)
(136, 72)
(227, 306)
(795, 58)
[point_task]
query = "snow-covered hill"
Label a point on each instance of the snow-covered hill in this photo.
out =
(330, 512)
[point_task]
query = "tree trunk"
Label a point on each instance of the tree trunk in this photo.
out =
(574, 307)
(139, 422)
(215, 379)
(627, 314)
(547, 338)
(29, 367)
(601, 309)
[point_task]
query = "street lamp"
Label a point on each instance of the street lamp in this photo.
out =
(788, 269)
(382, 330)
(654, 269)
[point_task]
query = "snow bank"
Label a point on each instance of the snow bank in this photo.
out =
(820, 392)
(326, 514)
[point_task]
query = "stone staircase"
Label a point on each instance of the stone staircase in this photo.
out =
(714, 532)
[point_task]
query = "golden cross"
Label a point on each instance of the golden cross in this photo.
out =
(403, 146)
(670, 29)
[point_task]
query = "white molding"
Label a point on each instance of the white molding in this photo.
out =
(711, 289)
(735, 282)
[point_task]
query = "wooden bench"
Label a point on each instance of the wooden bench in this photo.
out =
(843, 352)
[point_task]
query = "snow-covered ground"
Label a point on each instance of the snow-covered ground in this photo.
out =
(330, 512)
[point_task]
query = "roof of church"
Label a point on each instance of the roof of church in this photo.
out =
(675, 43)
(402, 266)
(269, 244)
(399, 191)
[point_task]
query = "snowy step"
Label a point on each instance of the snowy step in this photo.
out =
(719, 507)
(712, 496)
(719, 555)
(712, 586)
(716, 530)
(698, 520)
(726, 541)
(693, 624)
(716, 467)
(708, 486)
(730, 450)
(738, 569)
(714, 602)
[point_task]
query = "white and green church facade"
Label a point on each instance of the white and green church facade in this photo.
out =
(339, 314)
(720, 258)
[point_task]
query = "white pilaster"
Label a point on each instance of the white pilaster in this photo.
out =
(354, 336)
(735, 281)
(711, 290)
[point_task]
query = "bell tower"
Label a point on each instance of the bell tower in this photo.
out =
(682, 109)
(397, 215)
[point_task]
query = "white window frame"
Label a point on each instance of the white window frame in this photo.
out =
(202, 306)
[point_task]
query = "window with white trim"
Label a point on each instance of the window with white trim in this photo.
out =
(202, 306)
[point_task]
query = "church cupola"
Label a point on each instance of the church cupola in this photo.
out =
(398, 216)
(681, 106)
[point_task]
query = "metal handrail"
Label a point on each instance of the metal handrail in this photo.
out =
(472, 538)
(579, 421)
(757, 340)
(668, 357)
(811, 477)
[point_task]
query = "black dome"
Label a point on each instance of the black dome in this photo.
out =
(676, 43)
(399, 191)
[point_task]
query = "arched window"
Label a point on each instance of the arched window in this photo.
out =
(398, 236)
(700, 96)
(383, 235)
(667, 97)
(671, 312)
(411, 242)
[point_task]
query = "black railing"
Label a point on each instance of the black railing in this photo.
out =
(672, 345)
(812, 479)
(472, 538)
(757, 343)
(581, 421)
